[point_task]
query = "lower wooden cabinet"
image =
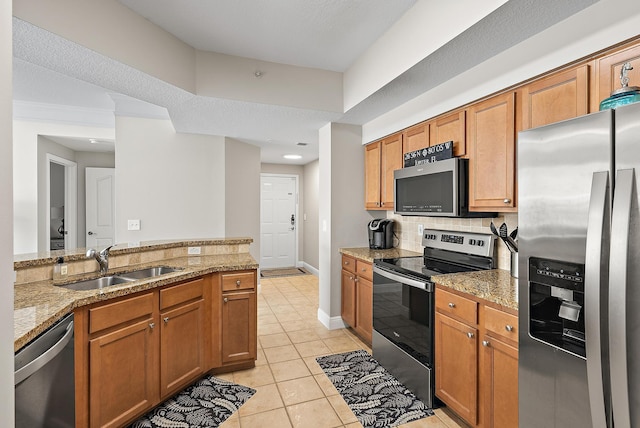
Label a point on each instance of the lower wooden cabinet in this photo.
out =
(357, 296)
(476, 360)
(238, 317)
(131, 353)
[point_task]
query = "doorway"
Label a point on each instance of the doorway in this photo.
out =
(278, 221)
(61, 212)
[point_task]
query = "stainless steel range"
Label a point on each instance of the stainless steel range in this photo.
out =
(404, 303)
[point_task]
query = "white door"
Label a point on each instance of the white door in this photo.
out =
(278, 221)
(100, 193)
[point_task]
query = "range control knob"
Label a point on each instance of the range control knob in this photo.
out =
(472, 242)
(480, 243)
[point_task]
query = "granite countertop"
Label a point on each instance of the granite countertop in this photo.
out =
(38, 305)
(495, 286)
(367, 254)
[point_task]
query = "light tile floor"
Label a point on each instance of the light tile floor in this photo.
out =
(292, 390)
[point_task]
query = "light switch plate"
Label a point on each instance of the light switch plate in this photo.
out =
(420, 229)
(133, 224)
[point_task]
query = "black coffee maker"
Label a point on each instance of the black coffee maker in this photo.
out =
(380, 234)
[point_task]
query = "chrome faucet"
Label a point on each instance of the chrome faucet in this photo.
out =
(101, 257)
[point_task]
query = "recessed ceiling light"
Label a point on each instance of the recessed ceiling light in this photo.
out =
(93, 141)
(292, 156)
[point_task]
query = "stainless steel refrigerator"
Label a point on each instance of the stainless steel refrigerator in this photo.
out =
(579, 282)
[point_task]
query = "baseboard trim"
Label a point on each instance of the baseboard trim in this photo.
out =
(332, 323)
(310, 269)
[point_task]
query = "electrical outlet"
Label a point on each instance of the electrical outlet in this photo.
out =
(63, 270)
(133, 224)
(420, 229)
(193, 250)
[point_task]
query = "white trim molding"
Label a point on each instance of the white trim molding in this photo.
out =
(332, 323)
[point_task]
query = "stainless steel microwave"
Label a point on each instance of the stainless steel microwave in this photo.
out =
(438, 189)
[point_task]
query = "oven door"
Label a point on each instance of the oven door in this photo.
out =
(403, 330)
(403, 313)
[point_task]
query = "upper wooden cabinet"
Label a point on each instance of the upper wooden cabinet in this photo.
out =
(451, 127)
(415, 138)
(491, 139)
(381, 159)
(561, 96)
(608, 71)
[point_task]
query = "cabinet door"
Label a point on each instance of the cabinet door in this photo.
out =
(491, 138)
(500, 378)
(123, 374)
(391, 159)
(608, 71)
(348, 295)
(456, 363)
(372, 175)
(561, 96)
(364, 308)
(182, 352)
(415, 138)
(239, 328)
(450, 128)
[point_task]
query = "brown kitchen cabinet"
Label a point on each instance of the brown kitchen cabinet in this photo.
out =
(238, 321)
(415, 138)
(560, 96)
(608, 71)
(491, 140)
(381, 159)
(357, 296)
(477, 379)
(450, 127)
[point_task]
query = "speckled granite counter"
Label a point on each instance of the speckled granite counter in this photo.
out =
(38, 305)
(495, 286)
(367, 254)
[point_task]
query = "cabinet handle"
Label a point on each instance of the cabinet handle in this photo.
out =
(507, 201)
(364, 269)
(225, 300)
(485, 343)
(346, 263)
(508, 327)
(152, 325)
(382, 204)
(238, 283)
(165, 319)
(351, 278)
(355, 280)
(452, 305)
(470, 335)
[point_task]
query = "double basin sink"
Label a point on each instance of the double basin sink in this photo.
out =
(121, 278)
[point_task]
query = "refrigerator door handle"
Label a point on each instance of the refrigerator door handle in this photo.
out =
(595, 283)
(620, 228)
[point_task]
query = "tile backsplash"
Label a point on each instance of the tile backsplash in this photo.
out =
(406, 230)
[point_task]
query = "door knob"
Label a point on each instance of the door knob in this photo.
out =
(225, 300)
(152, 325)
(485, 343)
(507, 201)
(165, 319)
(90, 233)
(508, 327)
(470, 335)
(452, 305)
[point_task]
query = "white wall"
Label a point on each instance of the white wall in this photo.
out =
(310, 224)
(343, 219)
(604, 24)
(172, 182)
(242, 192)
(6, 232)
(25, 174)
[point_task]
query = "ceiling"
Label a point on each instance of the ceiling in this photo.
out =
(321, 34)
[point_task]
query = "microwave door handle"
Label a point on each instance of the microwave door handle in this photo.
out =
(595, 283)
(623, 203)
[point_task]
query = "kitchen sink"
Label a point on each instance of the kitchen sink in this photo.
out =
(92, 284)
(148, 273)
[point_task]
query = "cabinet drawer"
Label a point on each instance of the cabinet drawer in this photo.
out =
(364, 269)
(182, 293)
(458, 306)
(238, 281)
(501, 323)
(349, 263)
(112, 314)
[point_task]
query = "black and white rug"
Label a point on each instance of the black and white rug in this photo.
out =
(375, 397)
(206, 403)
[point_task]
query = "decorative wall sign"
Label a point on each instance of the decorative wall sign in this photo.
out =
(429, 154)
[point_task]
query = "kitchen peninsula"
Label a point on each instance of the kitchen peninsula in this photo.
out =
(139, 342)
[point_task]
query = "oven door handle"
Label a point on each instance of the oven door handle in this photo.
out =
(423, 285)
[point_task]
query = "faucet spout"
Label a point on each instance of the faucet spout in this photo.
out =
(101, 257)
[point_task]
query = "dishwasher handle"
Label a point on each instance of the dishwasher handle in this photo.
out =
(24, 372)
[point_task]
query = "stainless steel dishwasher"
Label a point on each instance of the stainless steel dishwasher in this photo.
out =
(44, 379)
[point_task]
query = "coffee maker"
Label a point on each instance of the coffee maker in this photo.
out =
(380, 234)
